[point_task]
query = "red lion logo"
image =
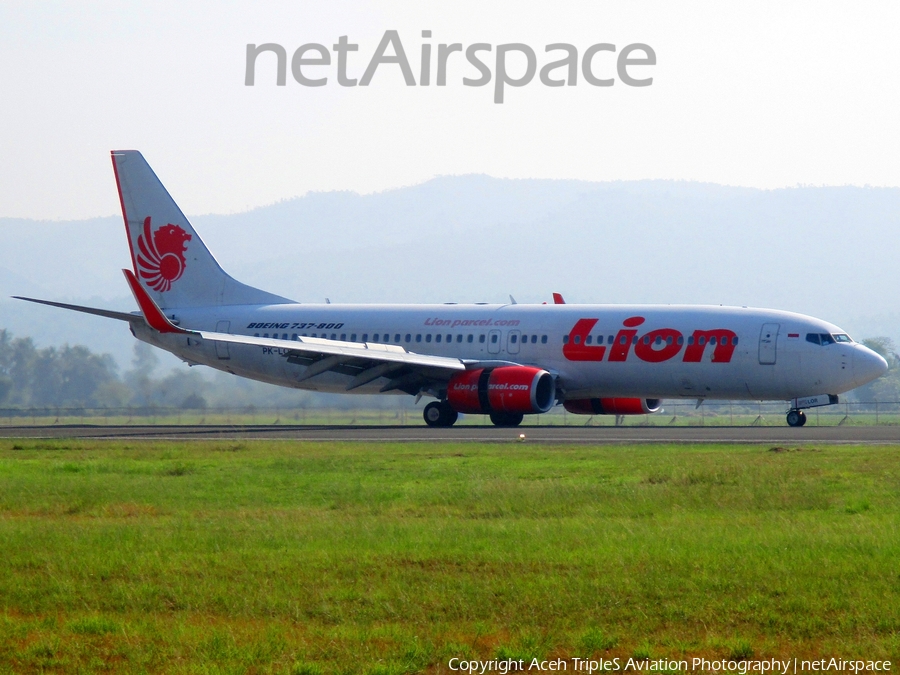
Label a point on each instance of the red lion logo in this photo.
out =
(161, 257)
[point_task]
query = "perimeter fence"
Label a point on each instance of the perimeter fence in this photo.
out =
(673, 413)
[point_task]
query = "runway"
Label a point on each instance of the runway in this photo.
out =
(882, 435)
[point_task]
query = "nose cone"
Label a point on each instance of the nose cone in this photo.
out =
(867, 365)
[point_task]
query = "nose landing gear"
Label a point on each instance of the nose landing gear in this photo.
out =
(796, 418)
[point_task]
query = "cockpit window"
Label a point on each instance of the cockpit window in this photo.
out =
(827, 338)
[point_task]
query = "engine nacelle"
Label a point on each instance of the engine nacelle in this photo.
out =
(513, 389)
(612, 406)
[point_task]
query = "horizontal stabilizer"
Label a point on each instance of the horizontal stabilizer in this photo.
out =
(108, 313)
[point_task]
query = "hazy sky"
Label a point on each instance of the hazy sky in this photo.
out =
(760, 94)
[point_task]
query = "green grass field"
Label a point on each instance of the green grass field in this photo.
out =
(282, 557)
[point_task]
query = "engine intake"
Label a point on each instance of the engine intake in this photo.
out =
(612, 406)
(513, 389)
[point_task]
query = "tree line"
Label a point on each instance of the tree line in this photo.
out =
(76, 377)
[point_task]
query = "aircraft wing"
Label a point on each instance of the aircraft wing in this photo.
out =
(366, 362)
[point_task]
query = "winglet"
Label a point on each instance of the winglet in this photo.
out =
(152, 314)
(558, 299)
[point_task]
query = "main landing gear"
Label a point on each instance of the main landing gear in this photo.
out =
(796, 418)
(506, 419)
(440, 414)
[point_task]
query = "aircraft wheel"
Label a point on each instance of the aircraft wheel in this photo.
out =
(440, 414)
(795, 418)
(504, 419)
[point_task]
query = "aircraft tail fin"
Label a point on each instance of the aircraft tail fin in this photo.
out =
(170, 260)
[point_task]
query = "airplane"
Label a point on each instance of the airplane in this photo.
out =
(503, 360)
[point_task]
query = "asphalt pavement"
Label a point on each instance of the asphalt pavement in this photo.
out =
(474, 434)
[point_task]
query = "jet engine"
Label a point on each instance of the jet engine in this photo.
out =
(508, 389)
(612, 406)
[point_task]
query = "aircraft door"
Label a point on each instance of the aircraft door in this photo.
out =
(513, 338)
(494, 342)
(222, 347)
(768, 342)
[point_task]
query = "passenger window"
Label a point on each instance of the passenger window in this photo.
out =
(343, 337)
(334, 336)
(265, 335)
(408, 337)
(646, 340)
(623, 340)
(565, 339)
(702, 340)
(634, 340)
(375, 337)
(397, 338)
(437, 338)
(419, 338)
(352, 337)
(543, 339)
(611, 339)
(534, 339)
(459, 338)
(680, 339)
(256, 335)
(428, 337)
(481, 338)
(494, 339)
(513, 338)
(589, 339)
(691, 340)
(449, 338)
(365, 337)
(712, 340)
(668, 340)
(470, 338)
(577, 339)
(734, 340)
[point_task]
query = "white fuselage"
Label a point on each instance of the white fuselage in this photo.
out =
(653, 351)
